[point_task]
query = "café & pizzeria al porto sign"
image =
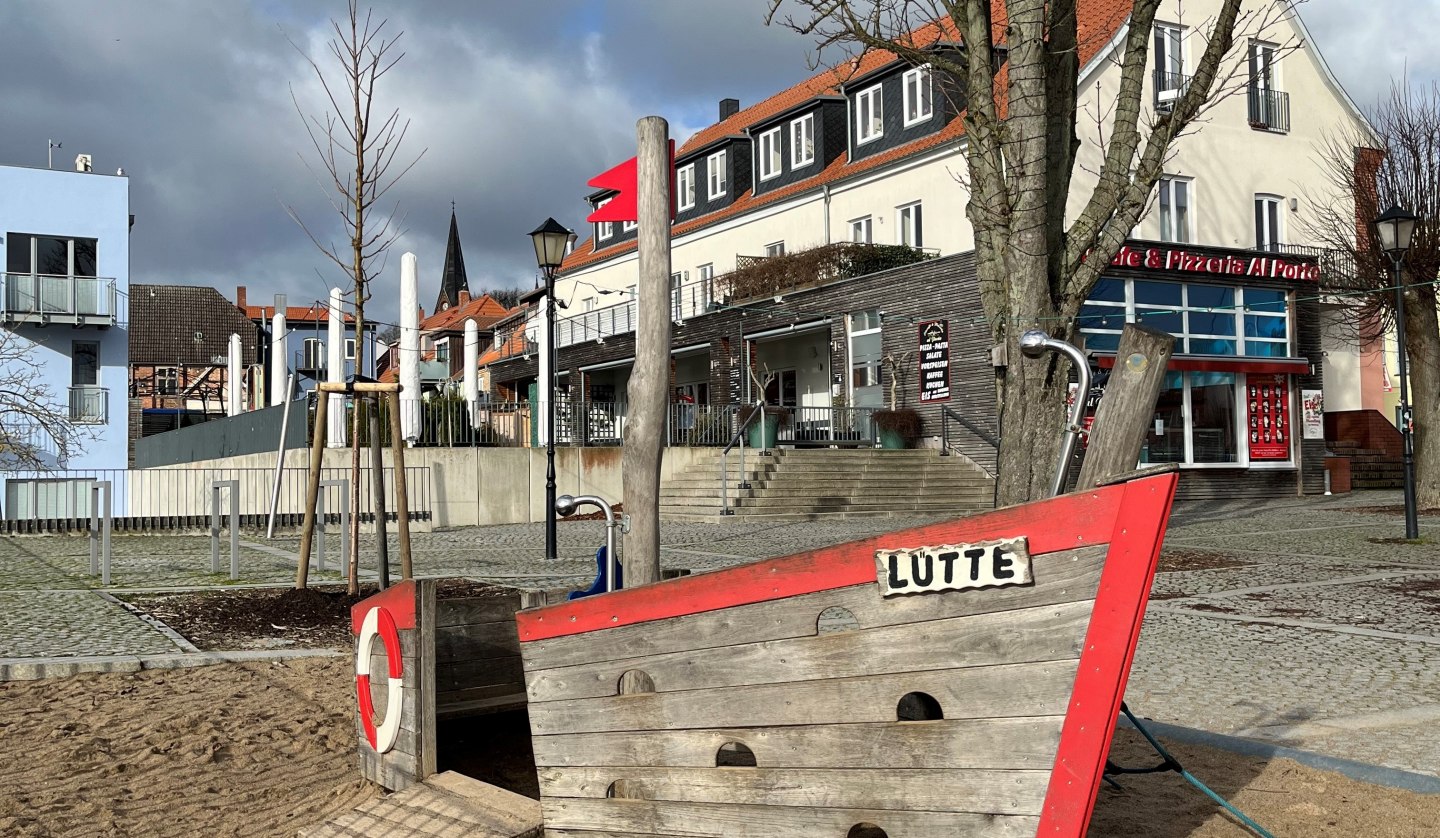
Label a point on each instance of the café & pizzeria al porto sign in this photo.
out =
(1189, 261)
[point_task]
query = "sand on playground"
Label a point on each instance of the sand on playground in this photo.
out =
(264, 749)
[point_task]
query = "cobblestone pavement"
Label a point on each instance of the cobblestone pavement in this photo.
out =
(1317, 634)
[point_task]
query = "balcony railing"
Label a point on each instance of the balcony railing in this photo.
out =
(1269, 109)
(90, 405)
(686, 301)
(43, 298)
(1168, 88)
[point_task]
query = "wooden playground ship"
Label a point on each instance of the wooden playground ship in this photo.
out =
(957, 679)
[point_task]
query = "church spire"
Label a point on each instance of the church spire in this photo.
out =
(452, 279)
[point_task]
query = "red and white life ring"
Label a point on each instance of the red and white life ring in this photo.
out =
(378, 621)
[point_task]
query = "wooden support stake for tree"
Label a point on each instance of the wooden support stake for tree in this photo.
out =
(1127, 409)
(402, 492)
(649, 381)
(312, 491)
(377, 479)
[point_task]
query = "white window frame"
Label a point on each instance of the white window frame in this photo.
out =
(1176, 38)
(1167, 184)
(349, 349)
(769, 156)
(875, 99)
(862, 230)
(802, 137)
(685, 187)
(628, 226)
(916, 77)
(1277, 235)
(715, 175)
(775, 249)
(910, 217)
(604, 229)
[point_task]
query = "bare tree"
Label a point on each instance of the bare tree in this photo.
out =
(358, 150)
(37, 431)
(1017, 76)
(1395, 160)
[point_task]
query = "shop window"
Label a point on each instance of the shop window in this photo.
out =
(1205, 319)
(1196, 420)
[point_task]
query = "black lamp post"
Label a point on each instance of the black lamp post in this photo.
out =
(1395, 227)
(551, 241)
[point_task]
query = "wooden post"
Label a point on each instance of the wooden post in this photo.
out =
(649, 381)
(1127, 409)
(402, 492)
(312, 491)
(377, 479)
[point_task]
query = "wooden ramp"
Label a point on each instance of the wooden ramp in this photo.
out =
(446, 805)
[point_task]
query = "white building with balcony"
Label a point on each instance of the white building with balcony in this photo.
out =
(66, 251)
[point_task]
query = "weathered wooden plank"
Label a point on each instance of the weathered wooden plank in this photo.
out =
(1051, 632)
(1089, 520)
(505, 809)
(1033, 689)
(425, 695)
(983, 791)
(477, 640)
(631, 817)
(380, 668)
(594, 833)
(452, 698)
(478, 707)
(1123, 419)
(1066, 576)
(1027, 743)
(461, 612)
(457, 675)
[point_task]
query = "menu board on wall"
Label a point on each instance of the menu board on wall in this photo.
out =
(935, 361)
(1268, 414)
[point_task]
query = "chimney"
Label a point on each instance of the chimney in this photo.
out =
(240, 297)
(1367, 198)
(728, 108)
(464, 297)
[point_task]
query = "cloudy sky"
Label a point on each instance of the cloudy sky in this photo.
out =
(515, 105)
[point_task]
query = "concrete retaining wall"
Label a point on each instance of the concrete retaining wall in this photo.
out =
(483, 486)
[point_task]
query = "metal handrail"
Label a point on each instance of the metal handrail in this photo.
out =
(738, 438)
(947, 414)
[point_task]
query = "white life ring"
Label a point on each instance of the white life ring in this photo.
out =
(379, 622)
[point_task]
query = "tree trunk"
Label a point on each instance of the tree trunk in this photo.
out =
(1422, 334)
(1032, 419)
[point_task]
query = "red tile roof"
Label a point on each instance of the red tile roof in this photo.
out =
(1099, 21)
(484, 309)
(317, 313)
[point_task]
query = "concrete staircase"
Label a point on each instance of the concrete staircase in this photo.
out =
(804, 484)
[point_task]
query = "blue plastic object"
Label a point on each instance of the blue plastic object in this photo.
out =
(599, 586)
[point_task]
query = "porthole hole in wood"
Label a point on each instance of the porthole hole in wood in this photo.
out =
(623, 790)
(918, 707)
(866, 830)
(635, 682)
(734, 755)
(836, 618)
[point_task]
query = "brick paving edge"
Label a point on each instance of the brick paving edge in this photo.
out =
(1378, 775)
(35, 669)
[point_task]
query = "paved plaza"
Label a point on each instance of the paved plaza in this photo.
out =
(1303, 627)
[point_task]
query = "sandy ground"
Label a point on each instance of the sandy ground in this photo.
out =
(266, 749)
(227, 750)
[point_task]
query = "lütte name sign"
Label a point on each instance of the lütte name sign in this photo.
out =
(953, 567)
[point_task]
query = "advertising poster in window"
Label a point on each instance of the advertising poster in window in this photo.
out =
(934, 361)
(1268, 409)
(1312, 404)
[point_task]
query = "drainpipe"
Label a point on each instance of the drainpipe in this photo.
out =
(825, 191)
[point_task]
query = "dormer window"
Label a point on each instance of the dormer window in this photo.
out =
(715, 171)
(685, 186)
(919, 101)
(869, 115)
(769, 154)
(604, 229)
(802, 141)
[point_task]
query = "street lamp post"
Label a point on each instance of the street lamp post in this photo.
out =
(551, 240)
(1395, 227)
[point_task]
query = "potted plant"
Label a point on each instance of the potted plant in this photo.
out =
(765, 429)
(897, 426)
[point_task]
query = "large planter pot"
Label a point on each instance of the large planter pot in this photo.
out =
(891, 439)
(763, 431)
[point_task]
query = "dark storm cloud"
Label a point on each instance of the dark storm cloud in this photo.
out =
(516, 103)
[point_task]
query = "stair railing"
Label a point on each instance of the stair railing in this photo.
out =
(948, 415)
(737, 439)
